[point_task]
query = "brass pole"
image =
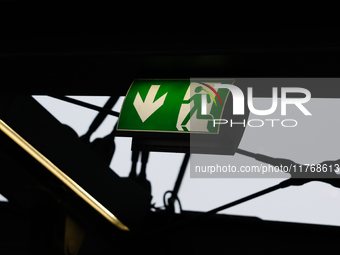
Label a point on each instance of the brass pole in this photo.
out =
(61, 176)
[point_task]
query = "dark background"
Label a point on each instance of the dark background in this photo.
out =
(57, 48)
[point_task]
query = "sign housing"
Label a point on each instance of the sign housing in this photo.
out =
(176, 115)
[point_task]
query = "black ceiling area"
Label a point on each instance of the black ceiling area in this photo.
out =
(96, 60)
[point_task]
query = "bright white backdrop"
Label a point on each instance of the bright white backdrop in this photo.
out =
(314, 202)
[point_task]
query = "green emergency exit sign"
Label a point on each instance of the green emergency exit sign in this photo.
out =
(172, 105)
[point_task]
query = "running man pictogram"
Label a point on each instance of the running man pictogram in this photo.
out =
(197, 98)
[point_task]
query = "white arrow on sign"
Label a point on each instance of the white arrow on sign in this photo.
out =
(148, 107)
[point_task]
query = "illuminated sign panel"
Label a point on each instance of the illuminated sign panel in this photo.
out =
(177, 105)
